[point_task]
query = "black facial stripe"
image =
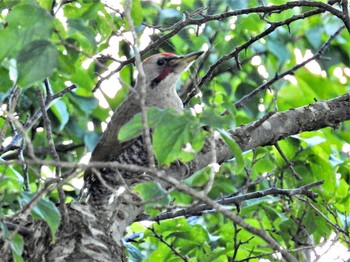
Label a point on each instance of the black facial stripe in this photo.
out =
(155, 82)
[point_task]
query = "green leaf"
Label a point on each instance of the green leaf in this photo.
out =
(83, 33)
(295, 96)
(8, 41)
(82, 78)
(36, 61)
(323, 171)
(153, 193)
(289, 147)
(59, 108)
(27, 22)
(13, 71)
(288, 227)
(17, 246)
(194, 235)
(223, 186)
(235, 149)
(87, 104)
(46, 211)
(211, 118)
(199, 178)
(47, 4)
(133, 128)
(272, 213)
(17, 258)
(28, 15)
(343, 189)
(250, 23)
(136, 12)
(312, 141)
(251, 205)
(10, 179)
(261, 166)
(177, 138)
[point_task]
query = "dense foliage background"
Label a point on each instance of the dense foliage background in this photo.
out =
(73, 59)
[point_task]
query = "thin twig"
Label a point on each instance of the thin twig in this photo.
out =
(273, 26)
(20, 132)
(24, 169)
(77, 49)
(47, 188)
(13, 97)
(22, 230)
(12, 105)
(47, 124)
(142, 92)
(288, 162)
(160, 238)
(236, 200)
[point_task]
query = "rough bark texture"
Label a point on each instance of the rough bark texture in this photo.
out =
(264, 132)
(294, 121)
(91, 236)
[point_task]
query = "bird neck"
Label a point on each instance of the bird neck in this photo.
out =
(163, 95)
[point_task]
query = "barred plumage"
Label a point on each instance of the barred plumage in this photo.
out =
(136, 154)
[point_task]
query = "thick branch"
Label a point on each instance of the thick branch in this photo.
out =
(294, 121)
(328, 113)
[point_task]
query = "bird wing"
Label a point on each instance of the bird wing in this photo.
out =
(109, 147)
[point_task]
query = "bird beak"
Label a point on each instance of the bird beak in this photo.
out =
(186, 59)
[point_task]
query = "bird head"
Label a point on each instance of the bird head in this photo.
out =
(166, 68)
(161, 73)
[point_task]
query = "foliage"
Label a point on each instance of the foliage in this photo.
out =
(82, 43)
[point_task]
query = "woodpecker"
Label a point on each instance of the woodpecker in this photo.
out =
(161, 73)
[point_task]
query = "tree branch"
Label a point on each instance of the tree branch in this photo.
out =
(320, 52)
(237, 200)
(328, 113)
(47, 124)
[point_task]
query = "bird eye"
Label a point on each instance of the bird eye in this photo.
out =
(160, 62)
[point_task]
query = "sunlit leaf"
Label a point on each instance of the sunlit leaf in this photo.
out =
(177, 137)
